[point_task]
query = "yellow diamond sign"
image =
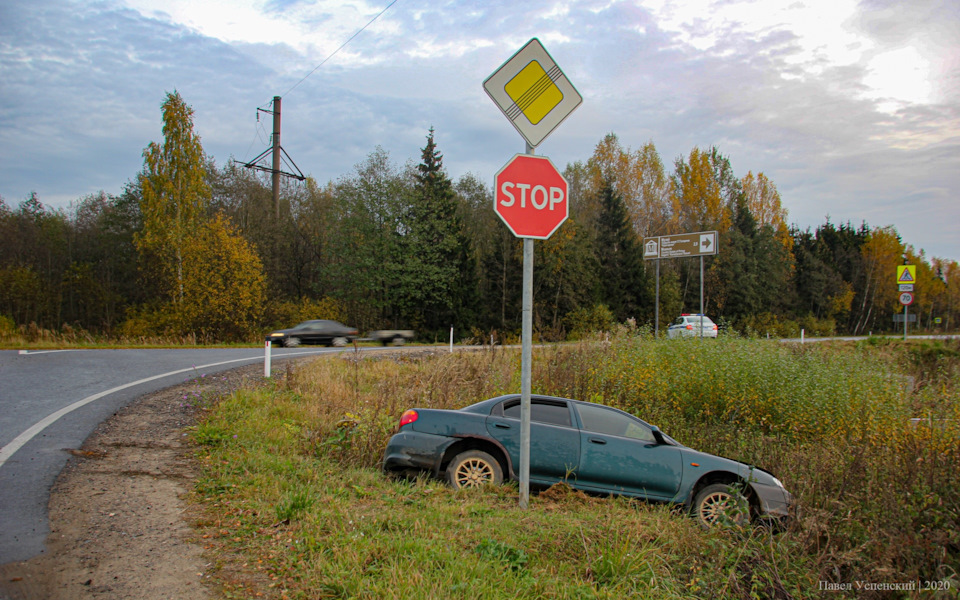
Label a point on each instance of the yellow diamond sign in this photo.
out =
(533, 92)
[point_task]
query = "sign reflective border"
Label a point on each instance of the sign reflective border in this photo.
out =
(533, 92)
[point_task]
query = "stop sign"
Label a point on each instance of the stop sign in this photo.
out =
(530, 196)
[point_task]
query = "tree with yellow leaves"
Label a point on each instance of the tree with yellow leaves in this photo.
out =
(174, 196)
(208, 279)
(764, 203)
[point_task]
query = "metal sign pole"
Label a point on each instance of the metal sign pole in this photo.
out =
(656, 318)
(701, 296)
(906, 319)
(526, 357)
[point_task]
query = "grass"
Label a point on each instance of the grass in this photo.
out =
(294, 505)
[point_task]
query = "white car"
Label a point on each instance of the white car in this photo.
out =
(689, 325)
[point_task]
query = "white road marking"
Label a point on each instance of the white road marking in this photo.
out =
(18, 442)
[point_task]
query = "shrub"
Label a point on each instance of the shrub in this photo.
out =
(583, 321)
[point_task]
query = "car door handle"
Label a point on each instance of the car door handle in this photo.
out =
(597, 441)
(501, 426)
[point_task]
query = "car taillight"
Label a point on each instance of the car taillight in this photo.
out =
(714, 327)
(690, 327)
(408, 416)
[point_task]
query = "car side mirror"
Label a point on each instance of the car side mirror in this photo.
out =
(658, 435)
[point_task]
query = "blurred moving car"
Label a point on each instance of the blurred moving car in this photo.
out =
(688, 325)
(320, 331)
(397, 337)
(590, 447)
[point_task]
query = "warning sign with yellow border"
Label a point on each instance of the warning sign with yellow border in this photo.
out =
(906, 273)
(533, 92)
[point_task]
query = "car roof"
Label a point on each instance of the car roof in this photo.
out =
(485, 406)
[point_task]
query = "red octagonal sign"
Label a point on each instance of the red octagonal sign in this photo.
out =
(531, 196)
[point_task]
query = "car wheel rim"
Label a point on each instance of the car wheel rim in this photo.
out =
(473, 473)
(721, 505)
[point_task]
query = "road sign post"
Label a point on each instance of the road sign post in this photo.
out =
(530, 195)
(906, 278)
(701, 243)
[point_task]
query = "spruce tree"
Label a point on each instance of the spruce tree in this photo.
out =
(623, 280)
(439, 272)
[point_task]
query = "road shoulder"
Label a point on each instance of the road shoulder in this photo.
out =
(120, 527)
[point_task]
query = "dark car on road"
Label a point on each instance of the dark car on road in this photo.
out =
(320, 331)
(589, 446)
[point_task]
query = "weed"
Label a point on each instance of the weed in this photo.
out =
(300, 487)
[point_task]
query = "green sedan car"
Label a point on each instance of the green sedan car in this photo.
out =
(589, 446)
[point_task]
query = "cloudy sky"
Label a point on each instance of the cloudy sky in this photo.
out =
(851, 108)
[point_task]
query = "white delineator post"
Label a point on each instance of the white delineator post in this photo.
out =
(266, 359)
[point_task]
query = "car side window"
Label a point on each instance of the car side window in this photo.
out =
(599, 419)
(540, 412)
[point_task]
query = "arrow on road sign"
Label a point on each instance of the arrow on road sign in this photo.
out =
(706, 240)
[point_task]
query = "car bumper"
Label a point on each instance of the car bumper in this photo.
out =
(775, 502)
(413, 450)
(686, 333)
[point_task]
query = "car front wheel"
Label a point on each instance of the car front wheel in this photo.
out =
(339, 342)
(291, 342)
(472, 469)
(720, 503)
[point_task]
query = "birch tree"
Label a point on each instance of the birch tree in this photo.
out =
(174, 196)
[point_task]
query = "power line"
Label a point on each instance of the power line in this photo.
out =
(370, 22)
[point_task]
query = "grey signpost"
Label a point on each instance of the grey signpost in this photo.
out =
(683, 245)
(536, 97)
(906, 277)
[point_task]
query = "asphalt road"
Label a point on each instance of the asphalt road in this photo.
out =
(50, 401)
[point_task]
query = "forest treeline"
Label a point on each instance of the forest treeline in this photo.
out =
(191, 249)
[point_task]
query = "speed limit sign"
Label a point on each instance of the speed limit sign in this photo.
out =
(906, 298)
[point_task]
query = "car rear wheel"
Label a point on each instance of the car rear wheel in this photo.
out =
(719, 504)
(291, 342)
(473, 468)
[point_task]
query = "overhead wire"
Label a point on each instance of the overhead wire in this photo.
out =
(341, 47)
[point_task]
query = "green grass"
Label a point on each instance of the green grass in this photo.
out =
(294, 505)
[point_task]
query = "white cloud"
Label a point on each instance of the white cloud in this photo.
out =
(790, 88)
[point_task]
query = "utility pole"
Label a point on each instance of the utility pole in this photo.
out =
(276, 157)
(278, 153)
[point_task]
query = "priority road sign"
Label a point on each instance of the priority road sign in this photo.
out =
(533, 92)
(530, 196)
